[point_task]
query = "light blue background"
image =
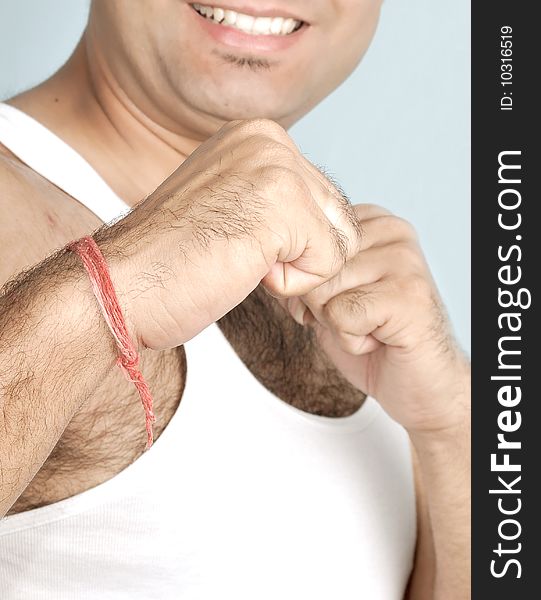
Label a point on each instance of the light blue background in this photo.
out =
(396, 133)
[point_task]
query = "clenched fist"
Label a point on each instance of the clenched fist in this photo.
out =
(381, 320)
(245, 208)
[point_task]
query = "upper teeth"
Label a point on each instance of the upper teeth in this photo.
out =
(247, 23)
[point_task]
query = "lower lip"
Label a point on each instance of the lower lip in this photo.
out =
(238, 39)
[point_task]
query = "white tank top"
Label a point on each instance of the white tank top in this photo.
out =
(242, 497)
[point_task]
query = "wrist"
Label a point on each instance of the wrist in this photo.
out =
(454, 421)
(119, 247)
(453, 433)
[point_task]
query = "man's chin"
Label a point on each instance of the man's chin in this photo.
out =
(245, 102)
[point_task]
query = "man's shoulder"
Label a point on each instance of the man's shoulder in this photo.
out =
(30, 227)
(18, 185)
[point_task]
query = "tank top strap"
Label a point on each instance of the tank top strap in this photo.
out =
(52, 158)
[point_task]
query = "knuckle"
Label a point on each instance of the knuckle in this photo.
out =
(284, 182)
(268, 151)
(355, 223)
(373, 209)
(405, 227)
(352, 344)
(399, 227)
(346, 208)
(333, 186)
(417, 288)
(332, 311)
(340, 249)
(266, 127)
(344, 308)
(355, 302)
(228, 127)
(408, 253)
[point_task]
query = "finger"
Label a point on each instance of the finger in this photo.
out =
(384, 229)
(370, 266)
(228, 127)
(354, 367)
(345, 343)
(356, 344)
(370, 211)
(313, 254)
(381, 309)
(357, 312)
(335, 205)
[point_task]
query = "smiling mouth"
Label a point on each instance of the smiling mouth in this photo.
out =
(277, 26)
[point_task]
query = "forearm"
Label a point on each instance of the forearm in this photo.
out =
(445, 470)
(54, 347)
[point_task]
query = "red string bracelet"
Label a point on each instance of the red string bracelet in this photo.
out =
(103, 289)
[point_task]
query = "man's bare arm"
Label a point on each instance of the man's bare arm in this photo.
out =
(384, 325)
(187, 255)
(445, 472)
(54, 346)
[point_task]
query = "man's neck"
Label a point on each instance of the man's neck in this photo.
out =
(86, 108)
